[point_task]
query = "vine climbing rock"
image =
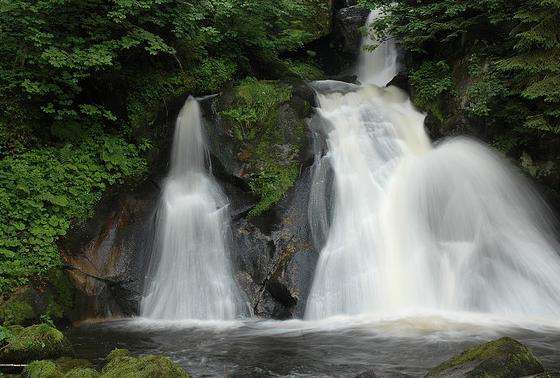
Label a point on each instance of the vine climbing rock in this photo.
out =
(504, 357)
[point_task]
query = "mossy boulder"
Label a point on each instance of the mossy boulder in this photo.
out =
(52, 296)
(504, 357)
(122, 365)
(64, 367)
(35, 342)
(42, 369)
(260, 137)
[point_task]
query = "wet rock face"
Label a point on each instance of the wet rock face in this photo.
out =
(106, 258)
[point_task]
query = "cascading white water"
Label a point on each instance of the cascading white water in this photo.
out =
(190, 275)
(379, 66)
(451, 227)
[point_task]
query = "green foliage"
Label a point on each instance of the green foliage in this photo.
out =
(75, 60)
(16, 310)
(499, 62)
(536, 62)
(80, 81)
(430, 81)
(255, 107)
(43, 190)
(305, 71)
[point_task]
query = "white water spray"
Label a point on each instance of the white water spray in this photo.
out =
(379, 66)
(411, 226)
(190, 275)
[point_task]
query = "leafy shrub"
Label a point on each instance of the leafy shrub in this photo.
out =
(45, 189)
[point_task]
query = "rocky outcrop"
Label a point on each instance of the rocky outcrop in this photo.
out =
(106, 258)
(33, 343)
(348, 23)
(505, 357)
(272, 254)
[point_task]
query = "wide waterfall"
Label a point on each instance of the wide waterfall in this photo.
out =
(404, 225)
(190, 275)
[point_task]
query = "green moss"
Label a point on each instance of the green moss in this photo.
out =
(117, 353)
(305, 71)
(33, 343)
(16, 310)
(504, 357)
(142, 367)
(42, 369)
(65, 364)
(270, 136)
(82, 373)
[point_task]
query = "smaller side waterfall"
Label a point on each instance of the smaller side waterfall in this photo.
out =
(190, 275)
(379, 66)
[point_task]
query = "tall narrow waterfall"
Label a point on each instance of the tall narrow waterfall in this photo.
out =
(410, 226)
(190, 275)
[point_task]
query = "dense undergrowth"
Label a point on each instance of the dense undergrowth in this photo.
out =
(81, 81)
(495, 62)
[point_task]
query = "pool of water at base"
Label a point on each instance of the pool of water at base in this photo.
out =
(392, 346)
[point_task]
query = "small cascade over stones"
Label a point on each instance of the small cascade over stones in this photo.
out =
(406, 226)
(190, 275)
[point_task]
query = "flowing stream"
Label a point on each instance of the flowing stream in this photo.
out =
(409, 226)
(190, 275)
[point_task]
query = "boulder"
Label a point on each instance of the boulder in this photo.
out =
(504, 357)
(63, 367)
(121, 365)
(54, 296)
(35, 342)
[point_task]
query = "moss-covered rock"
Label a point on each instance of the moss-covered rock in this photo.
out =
(82, 373)
(42, 369)
(63, 367)
(504, 357)
(122, 365)
(117, 353)
(262, 137)
(66, 364)
(35, 342)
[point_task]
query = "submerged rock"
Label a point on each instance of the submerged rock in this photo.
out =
(35, 342)
(504, 357)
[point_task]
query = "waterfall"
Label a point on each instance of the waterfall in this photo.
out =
(379, 66)
(190, 275)
(411, 226)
